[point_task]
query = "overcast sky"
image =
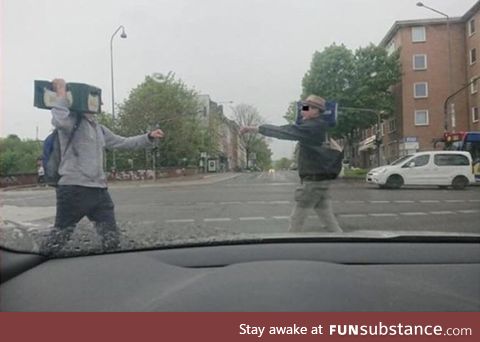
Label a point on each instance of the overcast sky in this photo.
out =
(246, 51)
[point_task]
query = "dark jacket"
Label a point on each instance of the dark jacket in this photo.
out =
(316, 160)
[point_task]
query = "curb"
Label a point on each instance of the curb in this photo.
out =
(27, 186)
(162, 182)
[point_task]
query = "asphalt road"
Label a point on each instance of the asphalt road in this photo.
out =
(256, 203)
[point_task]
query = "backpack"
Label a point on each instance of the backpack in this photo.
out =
(52, 157)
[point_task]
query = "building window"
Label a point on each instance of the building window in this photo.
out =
(421, 117)
(474, 85)
(474, 114)
(473, 55)
(419, 62)
(420, 90)
(419, 34)
(392, 125)
(471, 27)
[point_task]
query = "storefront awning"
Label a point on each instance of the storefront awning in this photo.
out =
(367, 144)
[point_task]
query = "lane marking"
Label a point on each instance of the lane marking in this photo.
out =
(417, 213)
(352, 215)
(180, 221)
(383, 215)
(259, 218)
(222, 219)
(473, 211)
(442, 212)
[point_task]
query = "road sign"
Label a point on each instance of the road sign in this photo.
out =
(212, 165)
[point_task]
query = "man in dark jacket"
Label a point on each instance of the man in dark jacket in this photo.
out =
(318, 163)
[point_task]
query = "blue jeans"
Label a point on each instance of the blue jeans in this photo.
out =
(75, 202)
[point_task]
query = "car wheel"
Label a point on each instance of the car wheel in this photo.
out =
(459, 182)
(394, 182)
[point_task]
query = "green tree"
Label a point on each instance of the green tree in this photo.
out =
(18, 156)
(291, 113)
(331, 74)
(106, 119)
(263, 154)
(362, 79)
(282, 164)
(248, 115)
(167, 103)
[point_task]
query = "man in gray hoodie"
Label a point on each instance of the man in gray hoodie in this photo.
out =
(82, 188)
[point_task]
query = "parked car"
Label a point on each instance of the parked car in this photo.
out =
(440, 168)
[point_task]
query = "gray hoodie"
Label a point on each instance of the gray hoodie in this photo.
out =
(82, 163)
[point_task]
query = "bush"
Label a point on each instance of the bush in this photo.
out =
(356, 173)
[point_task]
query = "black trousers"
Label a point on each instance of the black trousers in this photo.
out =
(75, 202)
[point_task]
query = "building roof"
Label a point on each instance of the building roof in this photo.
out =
(406, 23)
(418, 22)
(471, 12)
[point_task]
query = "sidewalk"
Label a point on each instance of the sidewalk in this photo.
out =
(162, 182)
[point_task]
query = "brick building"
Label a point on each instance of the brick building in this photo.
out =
(429, 75)
(226, 150)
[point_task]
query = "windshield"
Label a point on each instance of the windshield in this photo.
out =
(400, 160)
(156, 124)
(455, 146)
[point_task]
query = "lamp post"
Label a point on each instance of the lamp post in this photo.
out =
(123, 35)
(450, 84)
(445, 104)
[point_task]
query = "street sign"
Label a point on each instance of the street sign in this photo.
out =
(212, 165)
(410, 139)
(331, 112)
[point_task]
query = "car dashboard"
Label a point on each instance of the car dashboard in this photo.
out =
(268, 277)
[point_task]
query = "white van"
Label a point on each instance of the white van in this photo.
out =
(441, 168)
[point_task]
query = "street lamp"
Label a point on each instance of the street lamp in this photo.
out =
(450, 85)
(123, 35)
(445, 104)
